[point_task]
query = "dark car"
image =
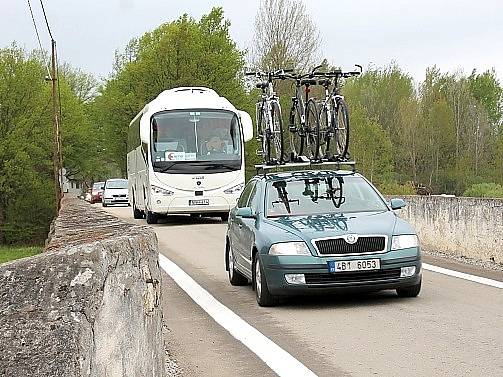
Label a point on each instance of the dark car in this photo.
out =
(319, 231)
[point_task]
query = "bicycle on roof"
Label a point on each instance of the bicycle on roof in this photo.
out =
(268, 117)
(333, 121)
(303, 119)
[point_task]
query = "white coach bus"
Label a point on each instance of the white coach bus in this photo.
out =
(186, 155)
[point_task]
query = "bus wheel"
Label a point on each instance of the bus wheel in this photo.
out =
(152, 217)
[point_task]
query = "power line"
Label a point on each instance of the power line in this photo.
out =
(38, 36)
(46, 22)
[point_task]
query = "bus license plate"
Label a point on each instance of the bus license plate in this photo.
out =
(199, 202)
(354, 265)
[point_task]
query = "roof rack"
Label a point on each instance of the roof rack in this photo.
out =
(311, 165)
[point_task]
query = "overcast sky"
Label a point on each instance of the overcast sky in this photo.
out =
(453, 34)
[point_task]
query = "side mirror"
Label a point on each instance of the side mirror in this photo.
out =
(397, 203)
(245, 213)
(247, 124)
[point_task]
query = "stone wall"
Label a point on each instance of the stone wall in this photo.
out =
(470, 227)
(88, 306)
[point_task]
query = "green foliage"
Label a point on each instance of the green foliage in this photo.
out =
(486, 89)
(445, 135)
(27, 195)
(26, 184)
(9, 253)
(370, 146)
(184, 52)
(485, 190)
(394, 188)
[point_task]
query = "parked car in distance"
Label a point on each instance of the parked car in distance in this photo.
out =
(115, 192)
(307, 232)
(97, 192)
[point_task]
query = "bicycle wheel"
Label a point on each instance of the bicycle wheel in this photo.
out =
(264, 134)
(276, 134)
(324, 132)
(341, 126)
(296, 134)
(312, 138)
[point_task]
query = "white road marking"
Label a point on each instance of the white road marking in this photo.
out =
(280, 361)
(462, 275)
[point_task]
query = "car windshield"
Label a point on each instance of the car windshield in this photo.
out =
(320, 194)
(182, 140)
(117, 184)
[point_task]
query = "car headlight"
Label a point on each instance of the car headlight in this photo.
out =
(235, 189)
(289, 248)
(405, 241)
(160, 190)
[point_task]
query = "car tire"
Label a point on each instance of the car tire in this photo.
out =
(262, 294)
(152, 217)
(225, 217)
(235, 277)
(411, 291)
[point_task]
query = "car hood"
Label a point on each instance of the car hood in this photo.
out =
(333, 225)
(116, 191)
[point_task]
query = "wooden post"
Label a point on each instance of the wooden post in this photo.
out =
(56, 150)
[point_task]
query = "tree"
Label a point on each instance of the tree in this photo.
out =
(26, 175)
(487, 91)
(285, 36)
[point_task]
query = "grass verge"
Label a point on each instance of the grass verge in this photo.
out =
(9, 253)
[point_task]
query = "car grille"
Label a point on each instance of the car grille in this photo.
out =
(119, 196)
(340, 246)
(352, 277)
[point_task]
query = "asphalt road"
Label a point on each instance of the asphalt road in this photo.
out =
(454, 327)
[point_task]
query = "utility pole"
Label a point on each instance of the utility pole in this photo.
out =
(56, 150)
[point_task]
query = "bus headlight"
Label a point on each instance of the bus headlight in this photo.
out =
(160, 190)
(235, 189)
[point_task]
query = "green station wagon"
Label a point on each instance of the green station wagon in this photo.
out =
(305, 232)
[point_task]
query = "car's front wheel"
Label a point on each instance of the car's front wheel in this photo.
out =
(235, 277)
(262, 294)
(411, 291)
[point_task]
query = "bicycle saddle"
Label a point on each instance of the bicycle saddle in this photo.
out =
(262, 85)
(308, 82)
(325, 82)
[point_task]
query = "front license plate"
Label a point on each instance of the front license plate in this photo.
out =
(354, 265)
(199, 202)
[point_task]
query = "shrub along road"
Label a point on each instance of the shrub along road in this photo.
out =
(452, 328)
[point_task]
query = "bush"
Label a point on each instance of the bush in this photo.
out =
(484, 190)
(395, 188)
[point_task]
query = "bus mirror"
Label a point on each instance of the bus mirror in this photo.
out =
(247, 124)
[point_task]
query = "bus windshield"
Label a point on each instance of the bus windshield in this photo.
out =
(195, 140)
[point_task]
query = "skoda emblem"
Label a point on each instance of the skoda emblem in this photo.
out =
(198, 183)
(351, 238)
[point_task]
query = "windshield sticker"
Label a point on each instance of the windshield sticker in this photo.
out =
(190, 156)
(175, 156)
